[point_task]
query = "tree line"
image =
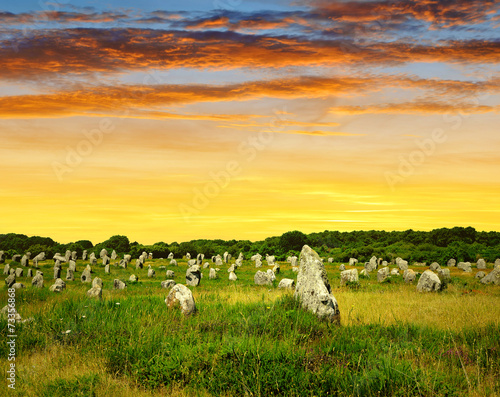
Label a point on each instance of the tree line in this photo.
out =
(438, 245)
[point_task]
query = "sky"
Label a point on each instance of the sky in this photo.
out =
(236, 119)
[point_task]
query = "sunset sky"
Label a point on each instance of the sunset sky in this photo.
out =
(177, 120)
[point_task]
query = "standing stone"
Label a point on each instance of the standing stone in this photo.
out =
(2, 257)
(313, 288)
(118, 284)
(19, 272)
(105, 260)
(233, 276)
(58, 286)
(206, 265)
(286, 283)
(70, 276)
(84, 255)
(170, 274)
(232, 268)
(133, 278)
(151, 272)
(168, 283)
(451, 263)
(465, 266)
(93, 261)
(383, 274)
(213, 258)
(193, 276)
(481, 264)
(173, 262)
(25, 261)
(123, 263)
(444, 276)
(170, 256)
(255, 257)
(372, 264)
(92, 257)
(226, 257)
(492, 277)
(497, 263)
(191, 262)
(67, 256)
(95, 292)
(97, 282)
(39, 258)
(379, 262)
(353, 261)
(138, 264)
(402, 264)
(86, 276)
(72, 266)
(103, 253)
(57, 273)
(271, 274)
(107, 269)
(262, 278)
(342, 267)
(394, 272)
(479, 275)
(218, 261)
(293, 261)
(409, 276)
(10, 280)
(18, 286)
(113, 255)
(74, 255)
(30, 273)
(188, 256)
(59, 257)
(330, 260)
(37, 281)
(16, 258)
(258, 263)
(181, 297)
(212, 275)
(349, 276)
(276, 268)
(6, 269)
(127, 258)
(270, 260)
(428, 282)
(150, 256)
(199, 259)
(434, 266)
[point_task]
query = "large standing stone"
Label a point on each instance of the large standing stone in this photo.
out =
(394, 272)
(262, 278)
(57, 272)
(19, 272)
(313, 288)
(258, 263)
(105, 260)
(86, 276)
(270, 260)
(233, 276)
(191, 262)
(372, 264)
(434, 266)
(293, 261)
(2, 257)
(168, 283)
(170, 256)
(199, 259)
(255, 257)
(409, 276)
(92, 256)
(451, 263)
(138, 264)
(492, 277)
(16, 258)
(232, 268)
(58, 286)
(72, 266)
(67, 255)
(276, 268)
(123, 263)
(119, 284)
(349, 276)
(212, 275)
(127, 258)
(70, 276)
(25, 260)
(59, 257)
(226, 257)
(383, 274)
(103, 253)
(481, 264)
(84, 255)
(113, 255)
(401, 263)
(10, 280)
(444, 276)
(95, 292)
(218, 261)
(39, 258)
(107, 269)
(74, 255)
(429, 282)
(30, 273)
(465, 266)
(193, 275)
(188, 256)
(6, 269)
(37, 281)
(182, 297)
(287, 283)
(353, 261)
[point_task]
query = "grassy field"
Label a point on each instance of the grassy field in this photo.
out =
(248, 340)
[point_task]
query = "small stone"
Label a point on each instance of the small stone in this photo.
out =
(287, 283)
(342, 267)
(168, 283)
(18, 286)
(479, 275)
(10, 280)
(276, 269)
(95, 292)
(19, 272)
(107, 269)
(118, 284)
(383, 274)
(451, 263)
(353, 261)
(409, 276)
(170, 274)
(481, 264)
(212, 275)
(97, 282)
(70, 276)
(233, 276)
(133, 278)
(465, 266)
(151, 273)
(173, 262)
(58, 286)
(349, 276)
(37, 281)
